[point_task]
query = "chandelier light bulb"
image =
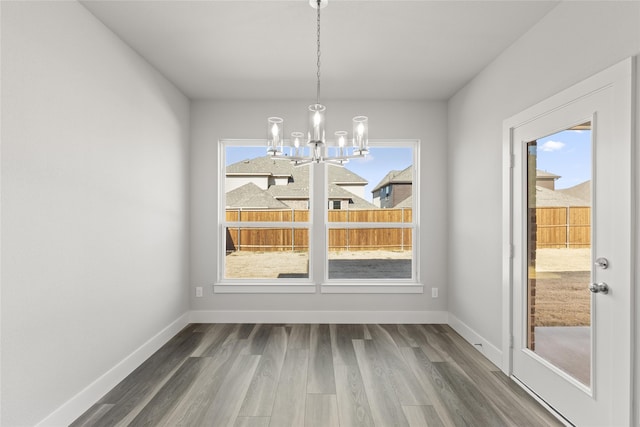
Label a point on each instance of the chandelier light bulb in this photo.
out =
(274, 138)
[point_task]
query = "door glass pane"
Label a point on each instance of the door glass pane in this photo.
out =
(559, 250)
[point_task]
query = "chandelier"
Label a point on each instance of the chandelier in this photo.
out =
(315, 139)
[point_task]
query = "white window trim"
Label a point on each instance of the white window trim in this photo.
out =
(319, 233)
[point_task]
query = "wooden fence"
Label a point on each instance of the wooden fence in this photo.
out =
(556, 227)
(284, 238)
(563, 227)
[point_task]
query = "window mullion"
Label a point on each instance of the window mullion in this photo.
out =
(318, 241)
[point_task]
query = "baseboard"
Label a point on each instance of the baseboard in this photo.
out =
(290, 316)
(491, 352)
(78, 404)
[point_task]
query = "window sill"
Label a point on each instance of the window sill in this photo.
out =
(371, 288)
(325, 288)
(255, 288)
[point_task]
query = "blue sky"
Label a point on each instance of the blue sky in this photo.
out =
(373, 168)
(568, 154)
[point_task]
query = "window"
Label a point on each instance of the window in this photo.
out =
(271, 217)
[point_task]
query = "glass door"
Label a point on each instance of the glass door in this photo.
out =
(559, 250)
(569, 228)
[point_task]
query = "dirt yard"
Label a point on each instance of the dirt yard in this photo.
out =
(562, 281)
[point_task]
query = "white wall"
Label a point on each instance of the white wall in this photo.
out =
(215, 120)
(94, 205)
(637, 287)
(574, 41)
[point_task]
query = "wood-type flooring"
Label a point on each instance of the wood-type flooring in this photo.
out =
(303, 375)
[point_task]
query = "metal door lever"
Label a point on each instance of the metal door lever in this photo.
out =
(599, 288)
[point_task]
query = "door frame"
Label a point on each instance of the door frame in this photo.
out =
(622, 76)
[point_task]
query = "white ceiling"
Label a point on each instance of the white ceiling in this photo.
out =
(264, 49)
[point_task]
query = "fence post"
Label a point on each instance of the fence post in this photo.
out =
(402, 231)
(568, 233)
(239, 217)
(347, 230)
(293, 234)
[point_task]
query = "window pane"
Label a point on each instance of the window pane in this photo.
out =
(266, 253)
(372, 191)
(370, 253)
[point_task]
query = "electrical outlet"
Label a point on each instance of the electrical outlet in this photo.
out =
(199, 292)
(434, 292)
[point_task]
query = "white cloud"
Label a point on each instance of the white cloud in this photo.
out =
(552, 146)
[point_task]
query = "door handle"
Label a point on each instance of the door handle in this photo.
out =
(599, 288)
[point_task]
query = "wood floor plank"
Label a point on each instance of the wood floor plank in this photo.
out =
(170, 395)
(430, 380)
(245, 330)
(289, 405)
(341, 345)
(404, 382)
(401, 340)
(92, 416)
(292, 375)
(367, 335)
(469, 397)
(226, 405)
(521, 399)
(299, 337)
(136, 390)
(320, 372)
(258, 339)
(417, 333)
(454, 341)
(192, 409)
(422, 416)
(465, 404)
(213, 338)
(252, 422)
(321, 411)
(258, 401)
(353, 406)
(478, 369)
(385, 407)
(433, 348)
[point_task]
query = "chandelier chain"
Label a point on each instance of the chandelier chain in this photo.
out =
(318, 61)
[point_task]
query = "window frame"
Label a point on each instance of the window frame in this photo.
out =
(383, 285)
(318, 277)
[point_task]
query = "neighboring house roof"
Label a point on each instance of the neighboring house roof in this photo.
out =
(338, 193)
(544, 174)
(550, 198)
(581, 191)
(252, 196)
(259, 166)
(283, 167)
(404, 176)
(406, 203)
(342, 175)
(298, 186)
